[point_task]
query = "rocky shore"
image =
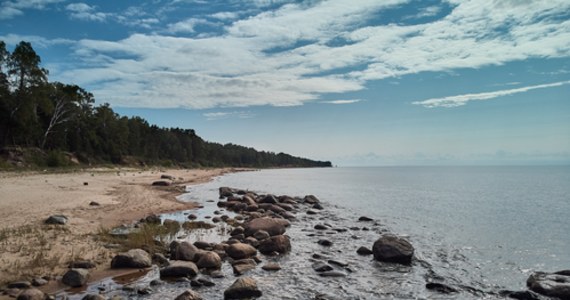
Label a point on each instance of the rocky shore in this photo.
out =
(257, 249)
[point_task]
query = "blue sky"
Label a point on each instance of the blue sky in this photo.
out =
(357, 82)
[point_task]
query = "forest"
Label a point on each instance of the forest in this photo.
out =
(57, 123)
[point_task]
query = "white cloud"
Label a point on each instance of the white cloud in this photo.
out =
(277, 57)
(226, 15)
(11, 9)
(342, 101)
(85, 12)
(213, 116)
(459, 100)
(36, 41)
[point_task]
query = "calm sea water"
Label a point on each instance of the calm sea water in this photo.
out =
(484, 227)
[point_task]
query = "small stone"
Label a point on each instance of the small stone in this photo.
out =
(94, 203)
(364, 251)
(325, 242)
(321, 267)
(56, 220)
(365, 219)
(189, 295)
(271, 267)
(19, 285)
(75, 277)
(39, 282)
(31, 294)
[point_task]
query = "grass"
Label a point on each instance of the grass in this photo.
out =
(149, 237)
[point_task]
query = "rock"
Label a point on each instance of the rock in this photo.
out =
(94, 203)
(202, 245)
(273, 226)
(332, 274)
(20, 285)
(272, 207)
(189, 295)
(31, 294)
(550, 284)
(364, 251)
(237, 230)
(278, 243)
(39, 281)
(179, 269)
(320, 266)
(192, 217)
(521, 295)
(310, 199)
(325, 242)
(243, 265)
(226, 192)
(240, 251)
(75, 277)
(209, 260)
(56, 220)
(160, 259)
(321, 227)
(441, 288)
(82, 264)
(312, 212)
(271, 267)
(152, 219)
(261, 235)
(318, 206)
(242, 288)
(134, 258)
(251, 241)
(365, 219)
(93, 297)
(166, 176)
(161, 183)
(183, 251)
(390, 248)
(269, 199)
(339, 263)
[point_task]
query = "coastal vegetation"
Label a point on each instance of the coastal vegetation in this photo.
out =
(54, 124)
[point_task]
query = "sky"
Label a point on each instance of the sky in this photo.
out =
(356, 82)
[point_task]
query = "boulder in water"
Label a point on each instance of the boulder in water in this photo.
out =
(551, 284)
(390, 248)
(243, 288)
(134, 258)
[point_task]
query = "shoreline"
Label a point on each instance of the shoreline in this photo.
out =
(31, 249)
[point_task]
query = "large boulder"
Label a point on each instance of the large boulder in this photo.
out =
(75, 277)
(390, 248)
(551, 284)
(179, 269)
(183, 251)
(240, 251)
(134, 258)
(226, 192)
(189, 295)
(209, 260)
(273, 226)
(243, 288)
(278, 243)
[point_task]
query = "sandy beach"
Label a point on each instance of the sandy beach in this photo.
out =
(28, 248)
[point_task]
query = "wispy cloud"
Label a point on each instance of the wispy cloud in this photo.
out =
(342, 101)
(85, 12)
(11, 9)
(213, 116)
(459, 100)
(285, 55)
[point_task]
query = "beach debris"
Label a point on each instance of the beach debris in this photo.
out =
(390, 248)
(134, 258)
(56, 220)
(75, 277)
(243, 288)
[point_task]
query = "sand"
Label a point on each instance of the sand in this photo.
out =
(30, 249)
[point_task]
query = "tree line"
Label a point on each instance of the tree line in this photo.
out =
(57, 118)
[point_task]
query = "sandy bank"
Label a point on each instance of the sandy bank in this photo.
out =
(29, 248)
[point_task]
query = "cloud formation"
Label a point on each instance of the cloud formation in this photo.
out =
(460, 100)
(11, 9)
(294, 52)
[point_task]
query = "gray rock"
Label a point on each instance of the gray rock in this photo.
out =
(320, 266)
(31, 294)
(134, 258)
(183, 251)
(441, 288)
(278, 243)
(160, 259)
(364, 251)
(226, 192)
(261, 235)
(321, 227)
(550, 284)
(189, 295)
(39, 281)
(56, 220)
(365, 219)
(272, 226)
(93, 297)
(243, 265)
(242, 288)
(240, 251)
(209, 260)
(179, 269)
(325, 242)
(271, 267)
(332, 274)
(310, 199)
(75, 277)
(390, 248)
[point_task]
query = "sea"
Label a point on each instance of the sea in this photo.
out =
(477, 229)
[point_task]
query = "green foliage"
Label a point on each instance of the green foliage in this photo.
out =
(57, 118)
